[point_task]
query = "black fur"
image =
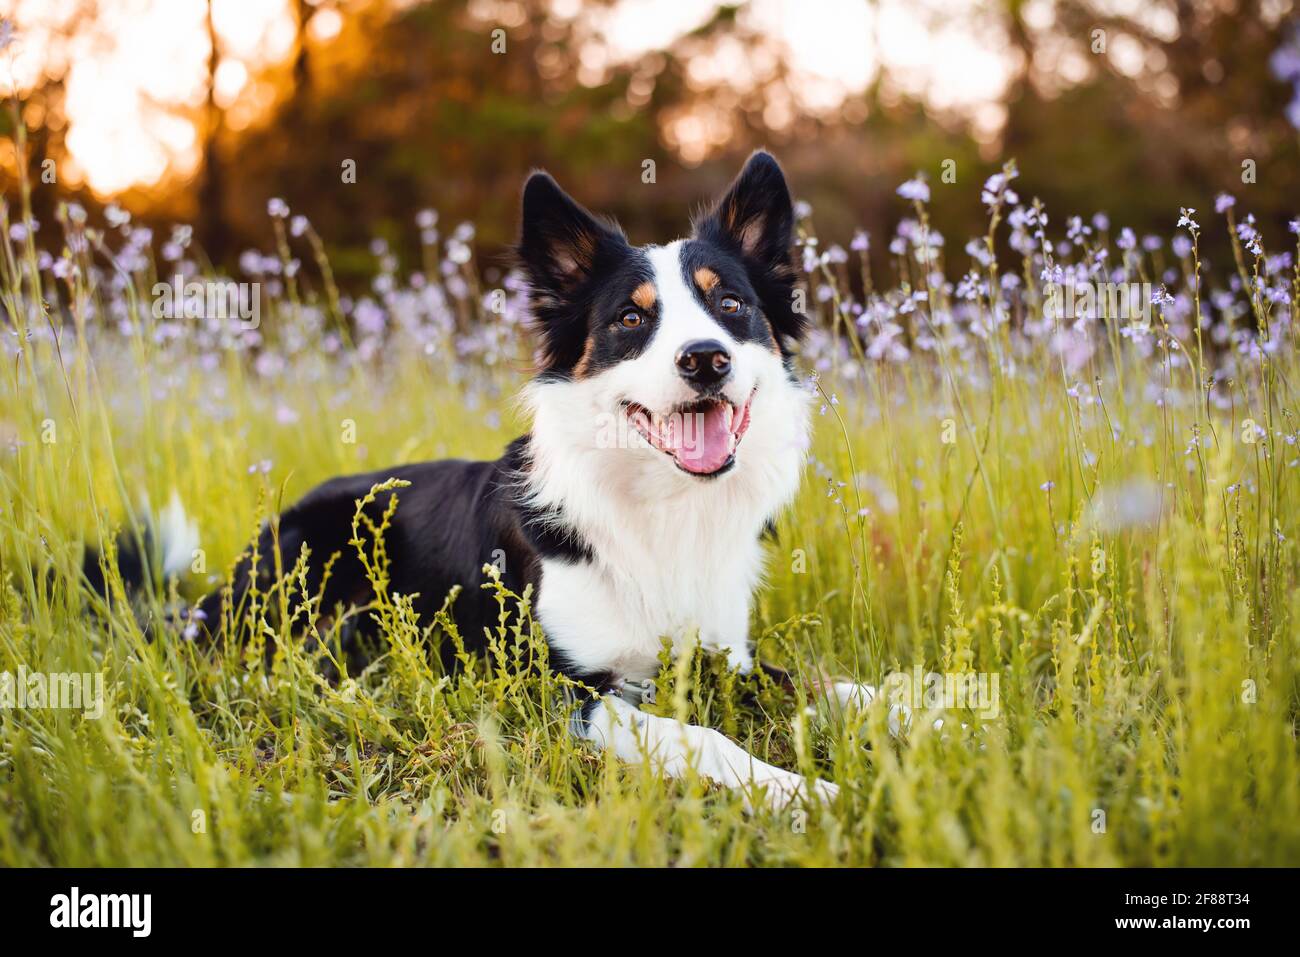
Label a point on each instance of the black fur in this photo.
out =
(132, 563)
(581, 272)
(754, 222)
(750, 324)
(453, 518)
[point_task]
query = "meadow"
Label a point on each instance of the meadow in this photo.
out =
(1098, 509)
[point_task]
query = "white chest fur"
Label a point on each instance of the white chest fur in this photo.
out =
(665, 578)
(673, 555)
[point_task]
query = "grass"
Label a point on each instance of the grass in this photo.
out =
(1101, 515)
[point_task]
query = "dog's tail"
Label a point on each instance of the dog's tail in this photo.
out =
(150, 551)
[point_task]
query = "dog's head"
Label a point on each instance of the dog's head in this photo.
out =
(688, 345)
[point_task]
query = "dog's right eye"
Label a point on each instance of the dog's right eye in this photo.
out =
(630, 319)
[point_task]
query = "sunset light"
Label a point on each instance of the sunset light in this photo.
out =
(136, 86)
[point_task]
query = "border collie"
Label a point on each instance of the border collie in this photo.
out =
(668, 430)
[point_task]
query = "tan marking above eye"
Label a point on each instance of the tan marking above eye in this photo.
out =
(706, 278)
(645, 295)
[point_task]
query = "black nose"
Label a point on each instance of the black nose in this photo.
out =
(704, 362)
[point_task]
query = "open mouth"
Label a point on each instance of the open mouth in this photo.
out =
(701, 436)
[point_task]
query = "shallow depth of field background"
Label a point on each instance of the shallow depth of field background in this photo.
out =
(1098, 510)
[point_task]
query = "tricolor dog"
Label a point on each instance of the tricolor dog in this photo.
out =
(668, 430)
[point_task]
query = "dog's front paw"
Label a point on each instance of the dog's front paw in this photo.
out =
(851, 695)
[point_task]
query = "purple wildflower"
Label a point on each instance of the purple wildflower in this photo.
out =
(915, 189)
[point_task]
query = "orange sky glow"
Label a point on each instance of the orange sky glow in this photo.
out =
(135, 84)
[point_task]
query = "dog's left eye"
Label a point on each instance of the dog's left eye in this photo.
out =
(730, 305)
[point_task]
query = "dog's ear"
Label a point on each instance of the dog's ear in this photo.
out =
(755, 220)
(560, 243)
(561, 247)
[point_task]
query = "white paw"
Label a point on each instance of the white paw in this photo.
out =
(851, 695)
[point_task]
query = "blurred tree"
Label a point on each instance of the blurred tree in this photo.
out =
(433, 107)
(42, 110)
(1171, 109)
(211, 193)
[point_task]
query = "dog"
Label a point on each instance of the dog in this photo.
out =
(669, 429)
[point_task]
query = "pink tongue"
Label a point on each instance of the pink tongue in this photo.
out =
(705, 441)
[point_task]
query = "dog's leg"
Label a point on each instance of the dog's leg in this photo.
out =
(673, 747)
